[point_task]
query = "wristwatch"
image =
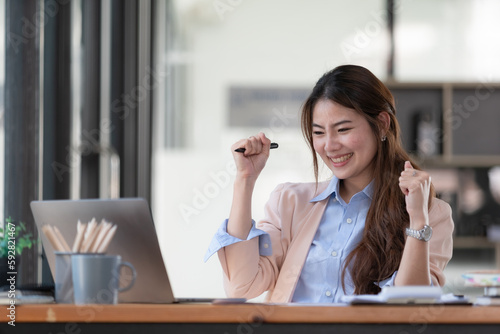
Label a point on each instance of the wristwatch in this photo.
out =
(424, 234)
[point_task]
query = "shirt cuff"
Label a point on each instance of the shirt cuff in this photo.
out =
(388, 281)
(222, 239)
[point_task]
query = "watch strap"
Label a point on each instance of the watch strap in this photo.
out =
(413, 233)
(424, 234)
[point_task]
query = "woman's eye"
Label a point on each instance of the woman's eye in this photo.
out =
(344, 129)
(317, 133)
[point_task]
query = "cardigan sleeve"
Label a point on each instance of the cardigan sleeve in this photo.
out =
(441, 243)
(247, 273)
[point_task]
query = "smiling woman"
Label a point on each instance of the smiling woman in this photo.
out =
(368, 149)
(370, 226)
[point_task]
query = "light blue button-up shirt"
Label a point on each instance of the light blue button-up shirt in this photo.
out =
(339, 232)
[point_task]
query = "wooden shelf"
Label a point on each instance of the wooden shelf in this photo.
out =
(478, 243)
(473, 242)
(457, 110)
(459, 161)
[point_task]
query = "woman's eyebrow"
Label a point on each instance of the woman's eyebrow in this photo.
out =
(314, 125)
(333, 125)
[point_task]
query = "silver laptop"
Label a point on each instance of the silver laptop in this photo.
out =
(135, 240)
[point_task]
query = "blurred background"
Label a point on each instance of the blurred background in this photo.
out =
(145, 97)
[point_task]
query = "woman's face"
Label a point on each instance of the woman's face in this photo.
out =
(345, 141)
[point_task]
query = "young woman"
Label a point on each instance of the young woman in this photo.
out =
(377, 222)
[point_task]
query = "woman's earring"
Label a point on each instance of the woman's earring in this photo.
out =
(384, 138)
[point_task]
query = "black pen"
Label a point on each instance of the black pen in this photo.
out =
(242, 149)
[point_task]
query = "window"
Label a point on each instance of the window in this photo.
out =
(447, 40)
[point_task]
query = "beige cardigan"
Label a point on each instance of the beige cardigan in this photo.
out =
(291, 221)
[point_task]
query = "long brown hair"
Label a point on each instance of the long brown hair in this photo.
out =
(379, 253)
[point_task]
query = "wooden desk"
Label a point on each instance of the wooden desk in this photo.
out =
(251, 318)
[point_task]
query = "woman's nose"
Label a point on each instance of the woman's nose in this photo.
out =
(332, 143)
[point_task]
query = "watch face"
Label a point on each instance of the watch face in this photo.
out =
(426, 233)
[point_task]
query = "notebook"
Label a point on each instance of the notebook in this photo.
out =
(407, 295)
(135, 241)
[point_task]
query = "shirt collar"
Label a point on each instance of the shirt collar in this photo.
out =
(333, 189)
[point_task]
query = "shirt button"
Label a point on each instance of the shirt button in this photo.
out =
(334, 253)
(328, 293)
(349, 220)
(266, 245)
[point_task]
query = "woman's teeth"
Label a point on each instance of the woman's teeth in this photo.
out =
(343, 158)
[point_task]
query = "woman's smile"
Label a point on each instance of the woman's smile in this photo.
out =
(342, 158)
